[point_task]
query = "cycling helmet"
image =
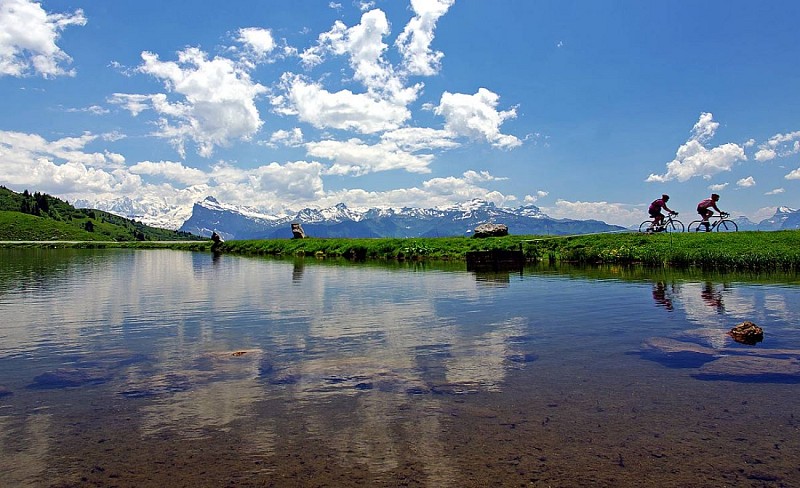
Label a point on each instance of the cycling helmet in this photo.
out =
(665, 197)
(714, 197)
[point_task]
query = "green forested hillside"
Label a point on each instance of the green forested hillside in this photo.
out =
(38, 217)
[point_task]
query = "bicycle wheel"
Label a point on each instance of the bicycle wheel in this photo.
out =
(674, 226)
(696, 226)
(647, 224)
(727, 226)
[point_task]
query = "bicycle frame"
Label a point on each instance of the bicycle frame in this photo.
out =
(669, 224)
(718, 222)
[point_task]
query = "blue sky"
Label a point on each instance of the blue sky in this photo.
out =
(586, 109)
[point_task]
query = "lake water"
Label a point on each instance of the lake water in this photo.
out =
(167, 368)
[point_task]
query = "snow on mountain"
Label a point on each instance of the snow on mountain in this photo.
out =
(152, 212)
(341, 221)
(744, 223)
(784, 218)
(212, 203)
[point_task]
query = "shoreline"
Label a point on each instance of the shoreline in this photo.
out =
(750, 250)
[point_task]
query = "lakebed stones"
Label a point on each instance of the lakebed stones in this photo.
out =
(69, 377)
(747, 333)
(726, 361)
(677, 354)
(751, 368)
(491, 230)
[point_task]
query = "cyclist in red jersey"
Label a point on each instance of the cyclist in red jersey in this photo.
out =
(704, 209)
(655, 212)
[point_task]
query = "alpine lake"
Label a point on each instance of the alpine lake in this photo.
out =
(156, 368)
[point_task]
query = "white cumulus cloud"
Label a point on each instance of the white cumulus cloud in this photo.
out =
(535, 197)
(414, 43)
(746, 182)
(476, 116)
(364, 47)
(62, 166)
(298, 180)
(779, 146)
(466, 187)
(420, 138)
(258, 46)
(344, 110)
(170, 170)
(355, 157)
(258, 40)
(215, 100)
(28, 39)
(694, 159)
(289, 138)
(609, 212)
(793, 175)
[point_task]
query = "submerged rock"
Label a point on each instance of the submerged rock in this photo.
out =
(676, 354)
(158, 384)
(666, 345)
(4, 392)
(751, 368)
(64, 378)
(747, 333)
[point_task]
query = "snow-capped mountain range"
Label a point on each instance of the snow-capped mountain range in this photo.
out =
(153, 212)
(785, 218)
(240, 222)
(341, 221)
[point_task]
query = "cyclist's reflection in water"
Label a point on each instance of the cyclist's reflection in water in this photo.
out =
(662, 295)
(712, 297)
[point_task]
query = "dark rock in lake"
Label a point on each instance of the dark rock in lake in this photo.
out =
(747, 333)
(64, 378)
(491, 230)
(158, 384)
(4, 392)
(752, 369)
(676, 354)
(297, 231)
(523, 358)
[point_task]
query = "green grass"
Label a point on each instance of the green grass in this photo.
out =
(740, 250)
(38, 216)
(16, 226)
(435, 248)
(710, 251)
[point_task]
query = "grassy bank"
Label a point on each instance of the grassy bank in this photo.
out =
(741, 250)
(41, 217)
(202, 246)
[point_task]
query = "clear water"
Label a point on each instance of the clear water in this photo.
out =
(166, 368)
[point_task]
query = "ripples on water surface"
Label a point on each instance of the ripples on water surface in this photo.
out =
(164, 368)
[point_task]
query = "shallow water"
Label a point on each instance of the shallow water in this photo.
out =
(166, 368)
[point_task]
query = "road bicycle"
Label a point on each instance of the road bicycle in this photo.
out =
(719, 222)
(667, 225)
